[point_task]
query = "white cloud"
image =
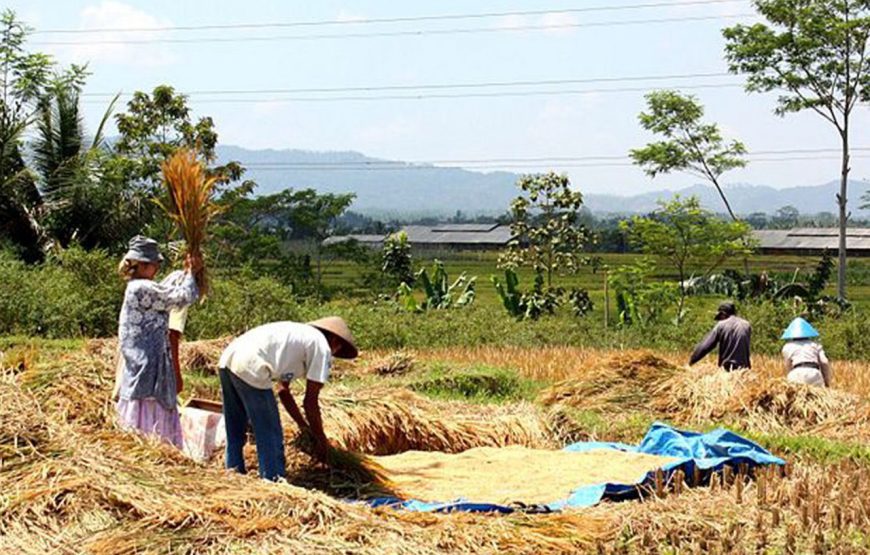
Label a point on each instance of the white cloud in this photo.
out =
(110, 14)
(510, 22)
(560, 23)
(345, 15)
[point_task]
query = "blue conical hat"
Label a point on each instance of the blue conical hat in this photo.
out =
(799, 329)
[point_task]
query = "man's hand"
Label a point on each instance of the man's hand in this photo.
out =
(311, 404)
(289, 403)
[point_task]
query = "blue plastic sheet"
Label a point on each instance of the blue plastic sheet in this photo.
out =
(709, 452)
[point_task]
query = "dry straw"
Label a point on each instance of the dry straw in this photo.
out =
(190, 202)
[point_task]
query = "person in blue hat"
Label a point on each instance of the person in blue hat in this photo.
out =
(147, 386)
(805, 359)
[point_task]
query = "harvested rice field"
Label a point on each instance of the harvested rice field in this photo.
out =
(458, 422)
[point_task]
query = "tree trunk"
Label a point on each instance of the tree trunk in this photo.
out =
(844, 216)
(733, 218)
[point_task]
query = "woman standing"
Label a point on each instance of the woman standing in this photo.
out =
(805, 359)
(148, 386)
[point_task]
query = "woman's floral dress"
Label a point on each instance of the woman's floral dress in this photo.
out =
(147, 399)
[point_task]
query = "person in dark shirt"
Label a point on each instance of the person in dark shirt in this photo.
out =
(732, 335)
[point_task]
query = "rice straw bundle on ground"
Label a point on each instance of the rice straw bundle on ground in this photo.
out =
(191, 204)
(202, 355)
(764, 403)
(90, 491)
(618, 383)
(397, 363)
(388, 421)
(816, 509)
(505, 475)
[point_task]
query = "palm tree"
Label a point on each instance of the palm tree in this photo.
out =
(19, 197)
(83, 203)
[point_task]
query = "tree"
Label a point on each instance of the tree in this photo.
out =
(814, 52)
(758, 220)
(689, 238)
(546, 235)
(268, 221)
(24, 77)
(866, 199)
(151, 129)
(689, 144)
(786, 217)
(84, 200)
(396, 259)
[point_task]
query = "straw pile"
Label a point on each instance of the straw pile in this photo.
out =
(397, 363)
(764, 403)
(512, 474)
(620, 382)
(70, 484)
(387, 421)
(815, 509)
(201, 356)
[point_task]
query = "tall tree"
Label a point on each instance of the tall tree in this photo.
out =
(84, 199)
(545, 228)
(688, 237)
(23, 78)
(152, 128)
(689, 144)
(814, 52)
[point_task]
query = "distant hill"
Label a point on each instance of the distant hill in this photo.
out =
(391, 188)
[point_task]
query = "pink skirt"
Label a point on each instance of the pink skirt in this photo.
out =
(149, 417)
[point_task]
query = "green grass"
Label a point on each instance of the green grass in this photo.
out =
(483, 264)
(477, 383)
(817, 449)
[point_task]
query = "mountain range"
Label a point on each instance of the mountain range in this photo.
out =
(387, 188)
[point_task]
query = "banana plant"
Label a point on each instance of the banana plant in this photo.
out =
(439, 293)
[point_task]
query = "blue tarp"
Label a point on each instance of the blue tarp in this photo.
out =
(708, 453)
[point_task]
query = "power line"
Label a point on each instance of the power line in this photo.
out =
(497, 163)
(560, 166)
(369, 21)
(380, 34)
(440, 86)
(441, 95)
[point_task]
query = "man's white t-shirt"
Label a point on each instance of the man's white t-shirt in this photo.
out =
(280, 351)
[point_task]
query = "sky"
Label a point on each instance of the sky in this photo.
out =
(590, 124)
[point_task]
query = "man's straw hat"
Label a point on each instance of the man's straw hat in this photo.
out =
(337, 327)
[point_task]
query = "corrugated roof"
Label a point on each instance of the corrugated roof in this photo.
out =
(439, 235)
(365, 239)
(464, 227)
(812, 239)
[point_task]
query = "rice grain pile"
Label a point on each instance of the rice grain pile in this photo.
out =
(505, 475)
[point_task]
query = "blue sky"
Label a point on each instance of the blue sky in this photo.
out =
(599, 124)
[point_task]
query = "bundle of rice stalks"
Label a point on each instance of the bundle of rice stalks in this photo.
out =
(618, 383)
(23, 429)
(388, 421)
(190, 204)
(394, 364)
(353, 468)
(765, 404)
(202, 355)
